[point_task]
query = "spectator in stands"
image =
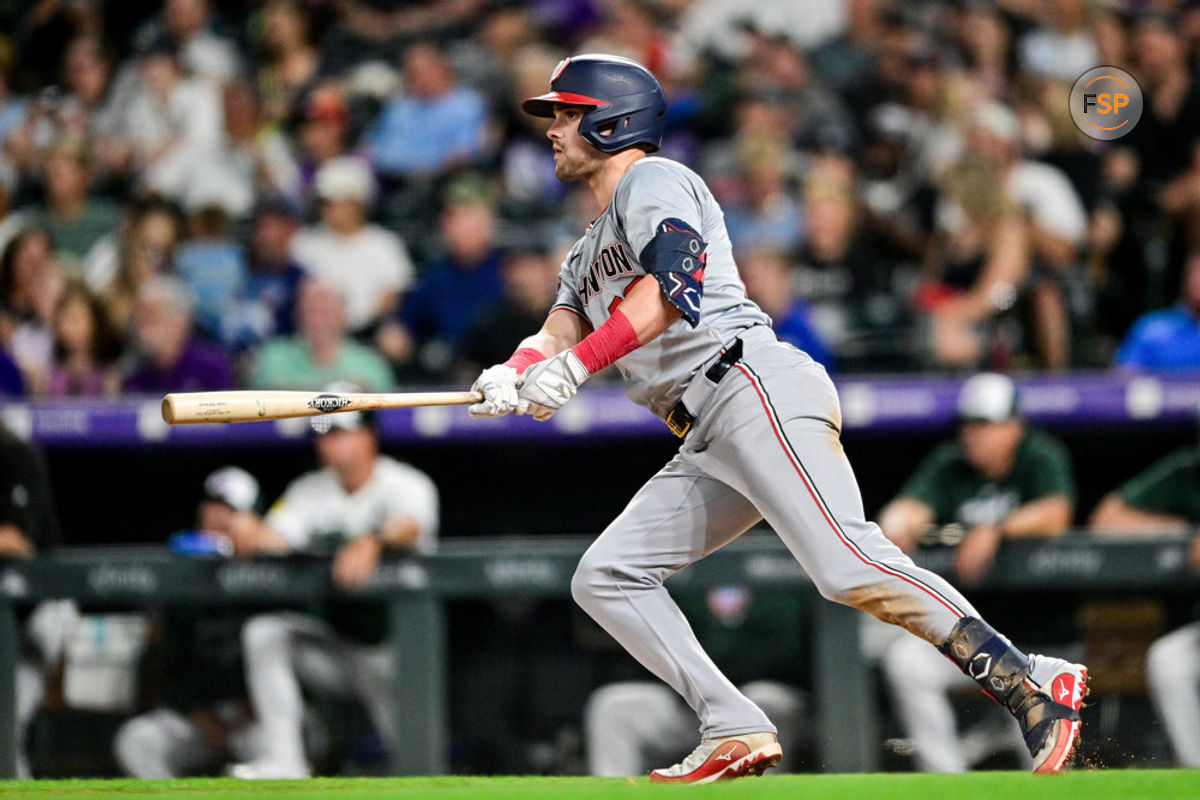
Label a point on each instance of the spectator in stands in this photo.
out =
(1062, 46)
(213, 267)
(30, 284)
(75, 220)
(321, 130)
(173, 121)
(765, 213)
(320, 352)
(529, 278)
(144, 248)
(203, 720)
(85, 347)
(844, 274)
(978, 260)
(1168, 339)
(768, 280)
(250, 158)
(1153, 173)
(630, 725)
(170, 358)
(191, 27)
(291, 62)
(267, 306)
(87, 115)
(357, 506)
(1000, 481)
(451, 292)
(434, 126)
(29, 525)
(1056, 223)
(367, 263)
(1164, 500)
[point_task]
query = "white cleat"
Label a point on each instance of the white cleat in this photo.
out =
(724, 759)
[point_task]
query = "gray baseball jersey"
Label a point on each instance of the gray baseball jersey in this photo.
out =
(765, 443)
(607, 260)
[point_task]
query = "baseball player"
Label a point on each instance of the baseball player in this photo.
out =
(1164, 499)
(652, 288)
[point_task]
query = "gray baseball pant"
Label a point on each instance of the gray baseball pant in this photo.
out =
(765, 444)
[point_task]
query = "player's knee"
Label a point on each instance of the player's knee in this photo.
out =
(599, 576)
(263, 633)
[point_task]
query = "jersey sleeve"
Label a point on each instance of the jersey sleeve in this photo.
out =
(414, 496)
(1161, 488)
(661, 214)
(567, 294)
(289, 515)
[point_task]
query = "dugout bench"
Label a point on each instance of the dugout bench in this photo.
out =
(413, 590)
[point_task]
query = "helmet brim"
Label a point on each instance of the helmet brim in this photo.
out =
(543, 104)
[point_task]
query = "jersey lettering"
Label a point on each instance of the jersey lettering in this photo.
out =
(612, 262)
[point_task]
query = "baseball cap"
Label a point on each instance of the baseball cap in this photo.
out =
(988, 397)
(232, 486)
(345, 178)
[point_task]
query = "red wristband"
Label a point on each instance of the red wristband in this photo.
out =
(524, 358)
(603, 346)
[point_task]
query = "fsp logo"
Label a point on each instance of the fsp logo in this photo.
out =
(1106, 102)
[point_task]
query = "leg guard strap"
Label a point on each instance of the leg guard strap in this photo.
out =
(984, 655)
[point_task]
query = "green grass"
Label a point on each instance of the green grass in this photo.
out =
(1082, 784)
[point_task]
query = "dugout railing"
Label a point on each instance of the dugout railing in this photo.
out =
(414, 591)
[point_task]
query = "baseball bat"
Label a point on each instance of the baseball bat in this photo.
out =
(185, 408)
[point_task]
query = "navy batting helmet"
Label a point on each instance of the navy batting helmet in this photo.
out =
(622, 94)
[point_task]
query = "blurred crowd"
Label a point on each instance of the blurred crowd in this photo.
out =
(198, 194)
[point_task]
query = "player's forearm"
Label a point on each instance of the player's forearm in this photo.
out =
(1116, 517)
(1049, 516)
(648, 310)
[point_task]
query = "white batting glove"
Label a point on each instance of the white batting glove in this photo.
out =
(499, 386)
(549, 384)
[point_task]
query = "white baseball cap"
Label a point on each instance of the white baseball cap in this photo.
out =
(988, 397)
(232, 486)
(345, 178)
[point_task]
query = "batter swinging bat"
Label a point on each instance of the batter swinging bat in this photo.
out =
(183, 408)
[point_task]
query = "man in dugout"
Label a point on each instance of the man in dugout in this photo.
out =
(999, 481)
(357, 506)
(1162, 500)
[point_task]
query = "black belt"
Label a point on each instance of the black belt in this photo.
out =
(679, 419)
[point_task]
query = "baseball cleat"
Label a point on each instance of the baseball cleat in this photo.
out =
(724, 759)
(1054, 731)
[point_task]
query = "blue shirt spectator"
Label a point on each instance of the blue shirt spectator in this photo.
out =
(435, 125)
(213, 267)
(1168, 339)
(795, 327)
(449, 296)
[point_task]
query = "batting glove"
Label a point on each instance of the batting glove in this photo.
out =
(498, 385)
(549, 384)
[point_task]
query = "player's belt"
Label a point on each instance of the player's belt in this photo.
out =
(679, 419)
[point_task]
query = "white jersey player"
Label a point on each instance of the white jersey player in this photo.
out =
(652, 287)
(359, 504)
